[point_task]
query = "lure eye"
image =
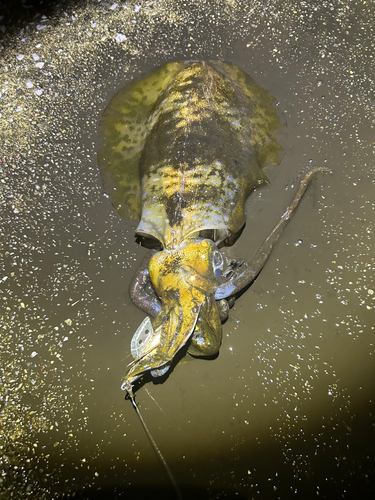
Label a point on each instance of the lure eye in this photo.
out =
(218, 264)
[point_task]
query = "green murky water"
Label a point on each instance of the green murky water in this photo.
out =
(286, 410)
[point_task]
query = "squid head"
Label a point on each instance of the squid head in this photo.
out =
(185, 279)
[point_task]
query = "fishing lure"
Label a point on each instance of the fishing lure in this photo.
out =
(184, 147)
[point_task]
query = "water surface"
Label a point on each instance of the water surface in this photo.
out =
(286, 410)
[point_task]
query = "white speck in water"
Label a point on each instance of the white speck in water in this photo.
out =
(120, 38)
(36, 57)
(29, 84)
(33, 354)
(39, 64)
(20, 57)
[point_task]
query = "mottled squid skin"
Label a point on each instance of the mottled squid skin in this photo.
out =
(184, 148)
(203, 155)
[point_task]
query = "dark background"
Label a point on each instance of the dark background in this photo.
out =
(14, 13)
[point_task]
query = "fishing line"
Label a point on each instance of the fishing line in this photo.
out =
(154, 400)
(156, 449)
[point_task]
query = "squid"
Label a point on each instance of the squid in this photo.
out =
(184, 147)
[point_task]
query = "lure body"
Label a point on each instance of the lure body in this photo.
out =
(184, 148)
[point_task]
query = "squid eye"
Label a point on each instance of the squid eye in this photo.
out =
(218, 264)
